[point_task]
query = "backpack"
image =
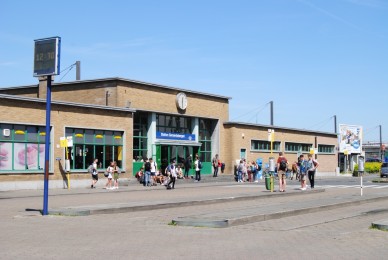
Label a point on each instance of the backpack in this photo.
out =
(90, 168)
(283, 164)
(199, 164)
(258, 167)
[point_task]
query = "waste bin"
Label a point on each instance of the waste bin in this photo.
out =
(267, 177)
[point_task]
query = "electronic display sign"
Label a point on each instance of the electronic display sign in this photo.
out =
(47, 56)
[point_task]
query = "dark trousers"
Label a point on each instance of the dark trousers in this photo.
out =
(215, 171)
(198, 175)
(172, 180)
(311, 176)
(187, 172)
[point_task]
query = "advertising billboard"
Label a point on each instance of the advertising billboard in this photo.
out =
(350, 139)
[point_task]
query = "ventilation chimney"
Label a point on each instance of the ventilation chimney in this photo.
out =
(78, 70)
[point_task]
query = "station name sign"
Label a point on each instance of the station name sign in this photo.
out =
(175, 136)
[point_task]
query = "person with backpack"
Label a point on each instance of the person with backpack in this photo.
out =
(93, 171)
(147, 173)
(198, 167)
(282, 165)
(312, 165)
(116, 174)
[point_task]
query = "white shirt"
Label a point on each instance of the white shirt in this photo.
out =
(196, 165)
(153, 167)
(94, 168)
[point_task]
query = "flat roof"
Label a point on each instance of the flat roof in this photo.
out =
(65, 103)
(123, 80)
(280, 128)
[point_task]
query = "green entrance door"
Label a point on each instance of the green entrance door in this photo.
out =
(178, 153)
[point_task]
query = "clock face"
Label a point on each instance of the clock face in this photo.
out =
(181, 101)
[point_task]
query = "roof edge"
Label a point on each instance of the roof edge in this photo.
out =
(279, 127)
(64, 103)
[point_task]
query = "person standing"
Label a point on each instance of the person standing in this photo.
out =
(154, 167)
(302, 172)
(215, 163)
(109, 170)
(198, 167)
(94, 173)
(116, 174)
(187, 166)
(312, 165)
(147, 173)
(282, 165)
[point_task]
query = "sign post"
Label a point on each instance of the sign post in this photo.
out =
(46, 63)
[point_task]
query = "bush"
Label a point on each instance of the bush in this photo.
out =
(372, 167)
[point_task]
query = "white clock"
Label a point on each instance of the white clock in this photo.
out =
(181, 101)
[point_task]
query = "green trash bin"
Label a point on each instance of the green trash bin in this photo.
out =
(267, 177)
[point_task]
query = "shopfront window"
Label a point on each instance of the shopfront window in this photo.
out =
(22, 148)
(89, 144)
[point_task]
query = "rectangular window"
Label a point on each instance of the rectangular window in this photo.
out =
(329, 149)
(264, 146)
(298, 147)
(173, 124)
(21, 148)
(140, 139)
(206, 128)
(90, 144)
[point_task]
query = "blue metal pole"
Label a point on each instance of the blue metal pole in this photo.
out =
(47, 147)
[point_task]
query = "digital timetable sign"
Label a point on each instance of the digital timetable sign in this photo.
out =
(47, 56)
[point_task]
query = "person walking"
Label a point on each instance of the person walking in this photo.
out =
(282, 165)
(216, 163)
(109, 171)
(94, 172)
(147, 173)
(198, 166)
(188, 163)
(173, 175)
(240, 169)
(312, 165)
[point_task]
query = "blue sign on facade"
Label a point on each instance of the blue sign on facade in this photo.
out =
(175, 136)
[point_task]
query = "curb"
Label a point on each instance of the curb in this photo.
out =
(381, 224)
(112, 209)
(218, 223)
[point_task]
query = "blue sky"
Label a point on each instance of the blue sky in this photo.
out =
(313, 58)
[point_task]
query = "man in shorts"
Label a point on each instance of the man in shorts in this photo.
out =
(282, 165)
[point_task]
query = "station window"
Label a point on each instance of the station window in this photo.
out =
(22, 148)
(173, 124)
(206, 129)
(264, 146)
(298, 147)
(322, 148)
(89, 144)
(140, 140)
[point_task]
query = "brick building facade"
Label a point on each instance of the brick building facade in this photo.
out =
(128, 120)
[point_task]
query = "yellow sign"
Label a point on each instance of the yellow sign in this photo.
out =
(346, 152)
(63, 142)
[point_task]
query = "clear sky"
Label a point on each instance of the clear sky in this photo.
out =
(313, 58)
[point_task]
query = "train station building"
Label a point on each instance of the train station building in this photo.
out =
(127, 121)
